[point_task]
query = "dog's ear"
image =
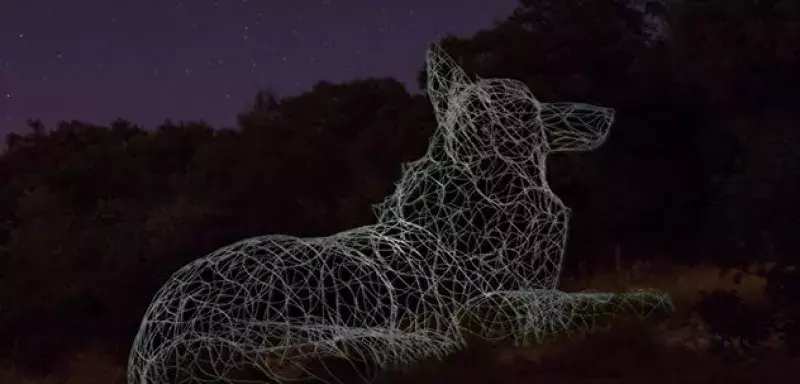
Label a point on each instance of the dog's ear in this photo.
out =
(445, 79)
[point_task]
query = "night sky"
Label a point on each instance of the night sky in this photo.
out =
(148, 60)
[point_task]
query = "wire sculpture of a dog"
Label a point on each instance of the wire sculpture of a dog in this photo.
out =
(470, 242)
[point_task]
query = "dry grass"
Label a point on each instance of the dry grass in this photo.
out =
(629, 352)
(684, 284)
(10, 375)
(89, 366)
(92, 366)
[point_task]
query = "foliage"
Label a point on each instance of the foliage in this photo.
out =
(783, 289)
(741, 329)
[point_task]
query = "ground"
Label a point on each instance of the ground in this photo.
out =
(656, 351)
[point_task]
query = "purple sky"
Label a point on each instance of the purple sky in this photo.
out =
(146, 60)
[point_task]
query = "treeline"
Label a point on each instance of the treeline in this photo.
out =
(701, 165)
